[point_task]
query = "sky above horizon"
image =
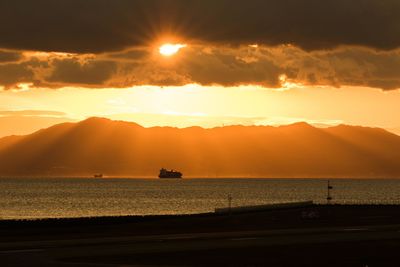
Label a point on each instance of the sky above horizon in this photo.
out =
(257, 62)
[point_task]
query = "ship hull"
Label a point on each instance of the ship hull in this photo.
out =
(170, 176)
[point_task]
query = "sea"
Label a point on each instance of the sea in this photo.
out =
(33, 198)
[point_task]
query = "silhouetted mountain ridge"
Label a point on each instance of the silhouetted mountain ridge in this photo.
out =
(119, 148)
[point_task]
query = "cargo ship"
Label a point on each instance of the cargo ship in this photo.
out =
(164, 173)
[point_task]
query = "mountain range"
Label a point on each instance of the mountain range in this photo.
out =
(118, 148)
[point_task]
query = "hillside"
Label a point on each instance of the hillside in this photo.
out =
(118, 148)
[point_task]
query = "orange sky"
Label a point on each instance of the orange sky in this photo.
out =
(201, 105)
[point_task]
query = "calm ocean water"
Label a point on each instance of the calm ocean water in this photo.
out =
(73, 197)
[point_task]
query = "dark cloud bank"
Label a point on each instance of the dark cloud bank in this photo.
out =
(103, 25)
(312, 42)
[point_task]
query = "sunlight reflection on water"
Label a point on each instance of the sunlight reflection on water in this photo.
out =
(77, 197)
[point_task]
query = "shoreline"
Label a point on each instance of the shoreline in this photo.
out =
(168, 216)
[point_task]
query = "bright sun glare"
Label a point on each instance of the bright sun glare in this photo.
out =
(170, 49)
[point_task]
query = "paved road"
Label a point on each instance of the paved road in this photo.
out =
(53, 253)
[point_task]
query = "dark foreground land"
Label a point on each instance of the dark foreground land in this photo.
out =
(319, 235)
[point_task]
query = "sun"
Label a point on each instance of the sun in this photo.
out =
(170, 49)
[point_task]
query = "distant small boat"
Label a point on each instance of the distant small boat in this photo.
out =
(98, 175)
(164, 173)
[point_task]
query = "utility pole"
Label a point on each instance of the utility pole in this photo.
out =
(329, 197)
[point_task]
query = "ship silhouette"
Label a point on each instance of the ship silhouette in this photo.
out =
(164, 173)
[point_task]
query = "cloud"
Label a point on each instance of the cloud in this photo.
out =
(71, 71)
(9, 56)
(269, 67)
(12, 74)
(196, 64)
(353, 66)
(101, 43)
(94, 26)
(49, 113)
(132, 55)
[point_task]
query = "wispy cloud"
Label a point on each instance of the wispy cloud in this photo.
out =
(47, 113)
